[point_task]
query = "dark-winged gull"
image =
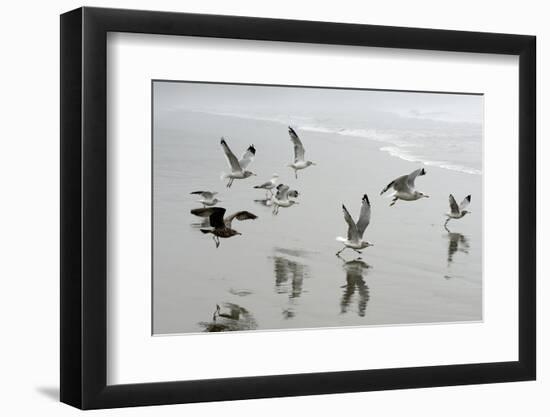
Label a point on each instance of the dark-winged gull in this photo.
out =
(221, 226)
(356, 230)
(299, 152)
(404, 187)
(238, 167)
(281, 198)
(269, 185)
(457, 211)
(207, 198)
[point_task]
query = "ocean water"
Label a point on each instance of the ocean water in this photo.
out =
(282, 272)
(446, 144)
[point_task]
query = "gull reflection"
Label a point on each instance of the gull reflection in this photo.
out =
(457, 242)
(289, 277)
(229, 317)
(355, 283)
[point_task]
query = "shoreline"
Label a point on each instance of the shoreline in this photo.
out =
(407, 278)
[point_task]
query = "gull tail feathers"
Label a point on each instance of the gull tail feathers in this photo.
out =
(341, 239)
(224, 176)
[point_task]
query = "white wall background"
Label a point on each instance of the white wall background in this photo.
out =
(29, 231)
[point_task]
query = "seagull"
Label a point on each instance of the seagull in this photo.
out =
(221, 226)
(356, 230)
(269, 185)
(238, 168)
(299, 161)
(457, 212)
(207, 198)
(404, 187)
(281, 198)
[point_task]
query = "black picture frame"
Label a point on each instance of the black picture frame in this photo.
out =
(84, 207)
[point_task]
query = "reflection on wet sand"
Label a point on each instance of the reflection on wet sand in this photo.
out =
(289, 276)
(457, 242)
(229, 317)
(355, 282)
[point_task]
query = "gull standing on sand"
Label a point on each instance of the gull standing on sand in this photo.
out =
(356, 230)
(299, 151)
(221, 227)
(457, 212)
(404, 187)
(238, 167)
(269, 185)
(207, 198)
(281, 198)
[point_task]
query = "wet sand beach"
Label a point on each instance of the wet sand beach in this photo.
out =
(282, 271)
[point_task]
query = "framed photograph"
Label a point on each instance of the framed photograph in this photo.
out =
(256, 208)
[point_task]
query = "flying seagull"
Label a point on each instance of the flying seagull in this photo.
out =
(404, 187)
(356, 230)
(221, 226)
(269, 185)
(238, 167)
(281, 198)
(299, 151)
(207, 198)
(457, 211)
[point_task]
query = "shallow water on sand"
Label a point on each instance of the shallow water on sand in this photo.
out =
(282, 271)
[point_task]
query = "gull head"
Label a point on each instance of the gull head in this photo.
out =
(418, 195)
(248, 174)
(465, 212)
(308, 163)
(366, 244)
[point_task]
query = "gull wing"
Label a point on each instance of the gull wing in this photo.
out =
(364, 216)
(239, 215)
(202, 212)
(412, 176)
(205, 194)
(452, 203)
(216, 217)
(353, 233)
(398, 184)
(214, 213)
(299, 150)
(465, 203)
(265, 184)
(231, 158)
(282, 192)
(247, 157)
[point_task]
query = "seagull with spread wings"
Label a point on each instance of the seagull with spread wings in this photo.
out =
(404, 187)
(282, 198)
(457, 211)
(356, 230)
(269, 185)
(238, 167)
(299, 153)
(207, 198)
(221, 226)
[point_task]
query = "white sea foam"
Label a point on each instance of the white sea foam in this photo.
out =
(445, 148)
